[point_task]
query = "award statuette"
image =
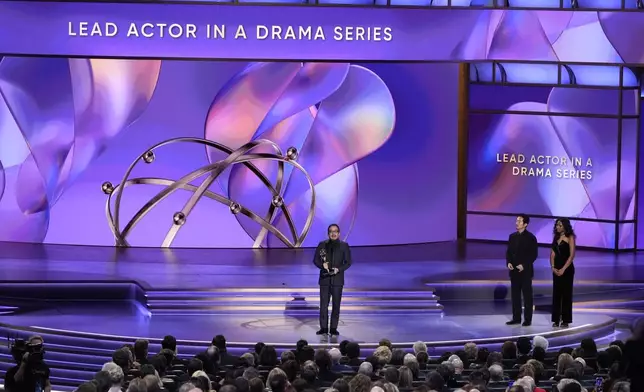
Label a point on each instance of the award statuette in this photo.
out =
(325, 272)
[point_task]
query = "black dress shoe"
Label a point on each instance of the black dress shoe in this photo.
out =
(513, 322)
(565, 325)
(322, 331)
(334, 332)
(555, 325)
(526, 323)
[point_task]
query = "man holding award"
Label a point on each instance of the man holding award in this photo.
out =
(332, 257)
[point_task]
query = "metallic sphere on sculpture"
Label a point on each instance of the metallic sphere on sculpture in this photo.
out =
(235, 208)
(179, 218)
(107, 188)
(277, 201)
(291, 153)
(148, 157)
(209, 189)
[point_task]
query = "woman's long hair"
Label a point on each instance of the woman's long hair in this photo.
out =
(568, 231)
(405, 378)
(564, 361)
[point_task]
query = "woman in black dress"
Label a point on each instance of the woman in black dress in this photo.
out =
(563, 272)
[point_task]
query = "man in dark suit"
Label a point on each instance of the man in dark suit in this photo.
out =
(632, 359)
(332, 257)
(520, 257)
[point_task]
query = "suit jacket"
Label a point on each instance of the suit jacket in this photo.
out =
(634, 362)
(341, 259)
(522, 249)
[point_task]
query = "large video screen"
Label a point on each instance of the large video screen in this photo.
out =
(553, 152)
(377, 141)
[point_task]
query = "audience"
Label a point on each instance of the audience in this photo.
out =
(141, 351)
(522, 366)
(524, 347)
(219, 341)
(634, 357)
(116, 376)
(336, 358)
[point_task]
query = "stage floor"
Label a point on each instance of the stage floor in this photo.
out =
(469, 279)
(88, 301)
(439, 331)
(380, 267)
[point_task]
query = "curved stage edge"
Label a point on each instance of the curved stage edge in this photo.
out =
(447, 332)
(86, 305)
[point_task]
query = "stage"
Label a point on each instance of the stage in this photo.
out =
(88, 301)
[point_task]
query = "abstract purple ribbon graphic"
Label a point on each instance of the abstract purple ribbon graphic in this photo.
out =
(56, 116)
(269, 119)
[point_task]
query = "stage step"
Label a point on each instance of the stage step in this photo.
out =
(612, 304)
(292, 301)
(6, 310)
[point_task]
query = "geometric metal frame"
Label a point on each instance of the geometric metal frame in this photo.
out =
(243, 156)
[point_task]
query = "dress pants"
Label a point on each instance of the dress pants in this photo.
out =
(333, 293)
(521, 285)
(562, 297)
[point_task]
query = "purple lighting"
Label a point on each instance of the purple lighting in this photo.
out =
(57, 116)
(339, 118)
(551, 152)
(394, 34)
(334, 115)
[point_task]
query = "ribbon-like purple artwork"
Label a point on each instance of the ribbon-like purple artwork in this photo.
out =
(56, 117)
(333, 114)
(584, 187)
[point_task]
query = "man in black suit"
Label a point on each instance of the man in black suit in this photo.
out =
(520, 257)
(332, 257)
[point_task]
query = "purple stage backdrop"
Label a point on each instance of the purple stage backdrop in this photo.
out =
(308, 33)
(640, 198)
(381, 149)
(553, 152)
